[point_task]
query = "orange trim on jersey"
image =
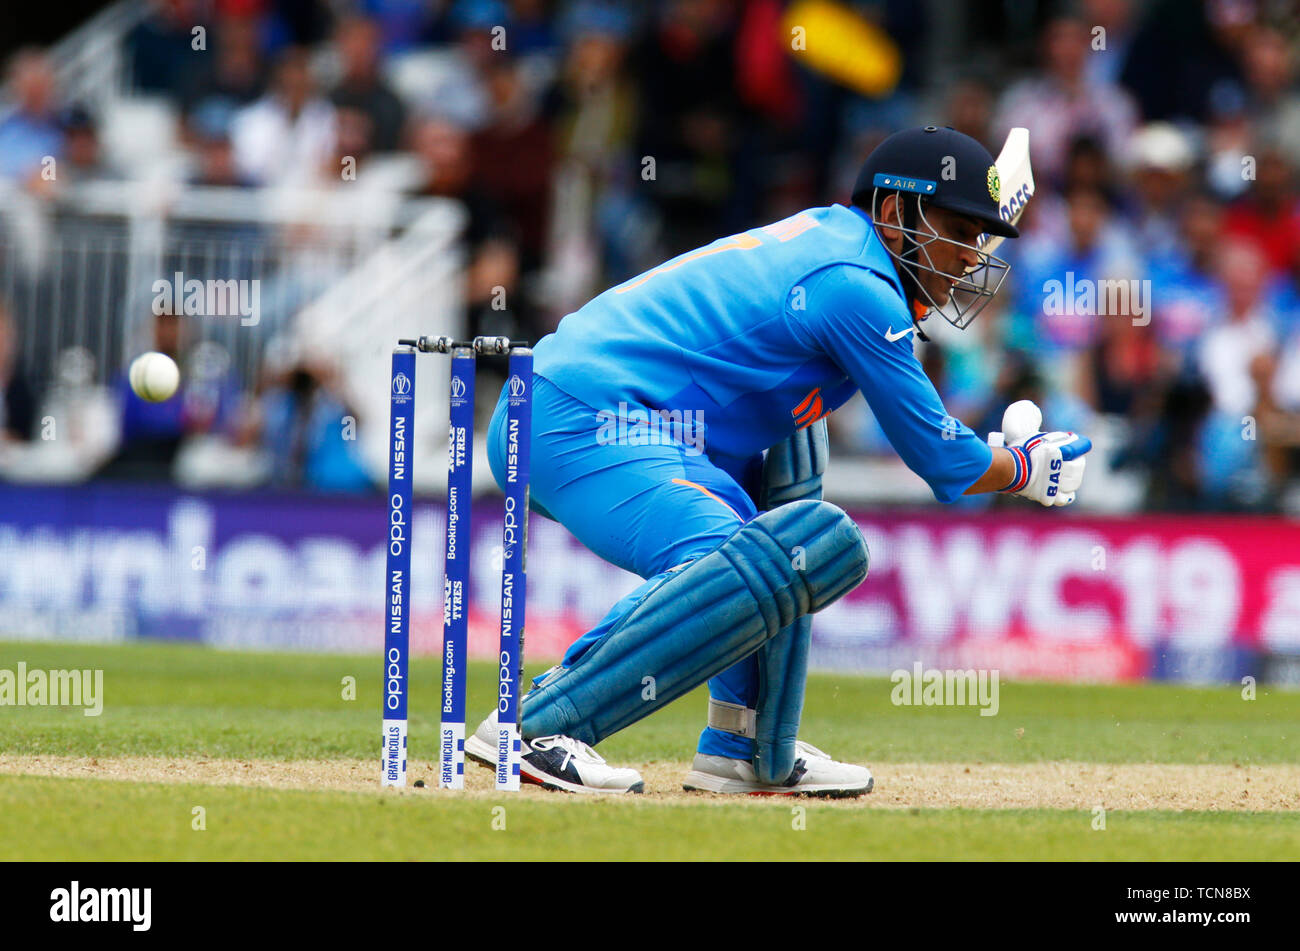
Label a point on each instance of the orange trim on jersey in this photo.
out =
(815, 412)
(806, 400)
(739, 242)
(696, 485)
(809, 409)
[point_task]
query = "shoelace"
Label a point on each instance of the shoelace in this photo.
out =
(573, 749)
(809, 750)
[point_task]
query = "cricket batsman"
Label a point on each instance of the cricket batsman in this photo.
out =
(738, 350)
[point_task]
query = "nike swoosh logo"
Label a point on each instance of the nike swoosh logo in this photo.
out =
(891, 336)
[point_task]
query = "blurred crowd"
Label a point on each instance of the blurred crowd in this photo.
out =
(590, 139)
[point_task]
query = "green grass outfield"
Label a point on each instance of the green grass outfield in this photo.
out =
(44, 818)
(190, 703)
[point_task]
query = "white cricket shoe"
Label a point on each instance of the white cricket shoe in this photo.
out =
(556, 762)
(815, 774)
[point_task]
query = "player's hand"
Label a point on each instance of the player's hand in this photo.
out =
(1049, 467)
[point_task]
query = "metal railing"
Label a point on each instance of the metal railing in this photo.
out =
(333, 275)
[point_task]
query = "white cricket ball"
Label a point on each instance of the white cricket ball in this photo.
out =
(1020, 421)
(154, 376)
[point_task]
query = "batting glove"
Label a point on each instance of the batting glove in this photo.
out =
(1049, 467)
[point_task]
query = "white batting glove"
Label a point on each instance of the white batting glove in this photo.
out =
(1049, 466)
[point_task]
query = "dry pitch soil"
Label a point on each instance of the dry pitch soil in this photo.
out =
(1059, 785)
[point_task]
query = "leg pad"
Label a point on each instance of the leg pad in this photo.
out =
(693, 622)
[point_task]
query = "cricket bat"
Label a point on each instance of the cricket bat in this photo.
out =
(1016, 176)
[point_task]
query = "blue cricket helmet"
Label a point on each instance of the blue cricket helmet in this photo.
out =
(946, 167)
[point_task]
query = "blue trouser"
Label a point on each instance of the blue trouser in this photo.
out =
(644, 508)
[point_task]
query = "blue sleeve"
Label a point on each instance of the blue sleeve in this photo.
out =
(849, 311)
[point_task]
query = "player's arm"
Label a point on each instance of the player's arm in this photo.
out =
(860, 322)
(998, 476)
(855, 324)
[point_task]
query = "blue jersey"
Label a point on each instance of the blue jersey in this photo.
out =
(763, 333)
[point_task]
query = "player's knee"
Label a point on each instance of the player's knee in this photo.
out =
(799, 558)
(835, 553)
